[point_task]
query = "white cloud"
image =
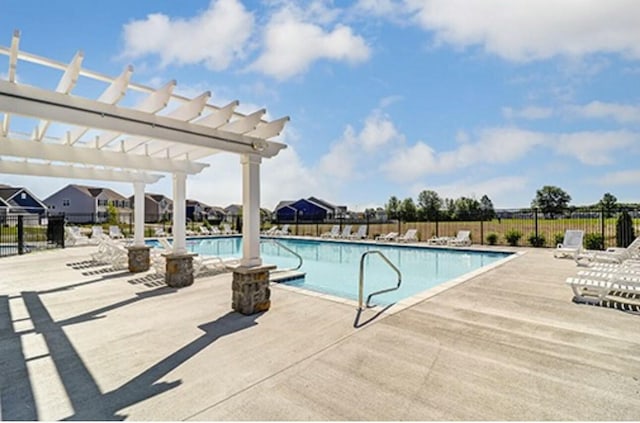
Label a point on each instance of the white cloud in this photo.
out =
(623, 177)
(593, 148)
(622, 113)
(354, 150)
(522, 30)
(495, 145)
(383, 8)
(529, 112)
(292, 44)
(215, 37)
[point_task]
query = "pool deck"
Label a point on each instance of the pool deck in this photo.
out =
(80, 342)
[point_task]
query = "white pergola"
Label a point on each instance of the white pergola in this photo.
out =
(107, 142)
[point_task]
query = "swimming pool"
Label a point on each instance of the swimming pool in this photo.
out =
(333, 267)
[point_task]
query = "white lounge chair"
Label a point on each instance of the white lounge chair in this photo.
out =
(596, 288)
(360, 234)
(346, 232)
(115, 232)
(226, 229)
(97, 233)
(112, 253)
(283, 231)
(204, 231)
(271, 231)
(201, 264)
(159, 232)
(333, 233)
(439, 240)
(73, 237)
(410, 236)
(215, 231)
(462, 239)
(610, 255)
(571, 245)
(391, 236)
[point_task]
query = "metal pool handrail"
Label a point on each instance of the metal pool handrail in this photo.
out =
(361, 281)
(279, 244)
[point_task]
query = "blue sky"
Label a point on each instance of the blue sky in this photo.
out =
(386, 97)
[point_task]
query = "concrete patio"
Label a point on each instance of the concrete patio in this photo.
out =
(79, 342)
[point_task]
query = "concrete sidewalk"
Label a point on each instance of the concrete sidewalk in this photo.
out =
(81, 342)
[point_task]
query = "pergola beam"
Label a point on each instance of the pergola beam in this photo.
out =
(74, 172)
(35, 102)
(92, 156)
(13, 64)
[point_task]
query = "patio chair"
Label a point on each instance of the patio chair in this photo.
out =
(73, 237)
(115, 232)
(215, 231)
(333, 233)
(283, 231)
(112, 253)
(96, 233)
(204, 231)
(271, 231)
(610, 255)
(159, 232)
(391, 236)
(201, 264)
(596, 288)
(439, 240)
(346, 232)
(571, 245)
(360, 234)
(226, 229)
(410, 236)
(462, 239)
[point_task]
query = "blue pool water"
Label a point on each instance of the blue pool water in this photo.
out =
(333, 267)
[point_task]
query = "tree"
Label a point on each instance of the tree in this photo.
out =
(466, 209)
(551, 200)
(112, 214)
(392, 207)
(407, 210)
(487, 211)
(429, 205)
(624, 230)
(608, 203)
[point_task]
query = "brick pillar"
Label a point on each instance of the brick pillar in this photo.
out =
(250, 289)
(139, 260)
(179, 270)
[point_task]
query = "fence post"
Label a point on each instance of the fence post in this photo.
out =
(482, 231)
(602, 217)
(437, 220)
(20, 235)
(535, 218)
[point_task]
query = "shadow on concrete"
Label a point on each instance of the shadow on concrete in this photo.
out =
(17, 398)
(358, 324)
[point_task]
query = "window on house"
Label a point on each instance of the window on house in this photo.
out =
(65, 203)
(23, 196)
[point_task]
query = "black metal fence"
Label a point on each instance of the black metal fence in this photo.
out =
(523, 227)
(20, 234)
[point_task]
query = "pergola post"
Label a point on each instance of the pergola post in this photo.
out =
(139, 258)
(250, 210)
(250, 286)
(179, 266)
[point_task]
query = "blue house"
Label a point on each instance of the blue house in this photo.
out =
(306, 209)
(15, 201)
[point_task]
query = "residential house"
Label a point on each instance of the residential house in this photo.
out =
(308, 209)
(19, 201)
(84, 204)
(157, 207)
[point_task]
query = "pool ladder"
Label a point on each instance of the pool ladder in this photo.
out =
(361, 281)
(281, 245)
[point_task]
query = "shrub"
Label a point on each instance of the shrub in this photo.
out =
(492, 238)
(624, 230)
(512, 237)
(536, 240)
(594, 242)
(558, 238)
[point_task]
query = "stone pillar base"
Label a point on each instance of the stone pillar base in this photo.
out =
(179, 270)
(250, 289)
(139, 259)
